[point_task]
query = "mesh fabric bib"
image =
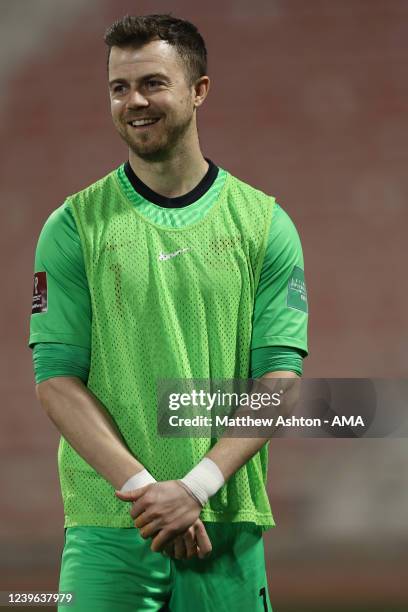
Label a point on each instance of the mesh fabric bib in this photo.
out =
(166, 303)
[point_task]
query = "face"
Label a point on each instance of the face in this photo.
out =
(152, 103)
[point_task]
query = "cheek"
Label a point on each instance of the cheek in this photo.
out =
(186, 104)
(116, 108)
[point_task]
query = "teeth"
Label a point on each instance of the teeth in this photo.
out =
(143, 122)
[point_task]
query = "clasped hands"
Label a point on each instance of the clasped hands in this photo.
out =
(166, 512)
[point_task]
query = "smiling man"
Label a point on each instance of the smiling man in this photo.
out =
(159, 119)
(167, 268)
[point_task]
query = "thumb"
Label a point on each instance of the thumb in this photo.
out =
(131, 495)
(203, 541)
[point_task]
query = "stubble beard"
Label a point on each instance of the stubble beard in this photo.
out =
(153, 149)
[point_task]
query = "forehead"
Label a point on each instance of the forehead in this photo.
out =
(133, 62)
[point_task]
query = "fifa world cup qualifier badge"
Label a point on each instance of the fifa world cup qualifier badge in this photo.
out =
(40, 303)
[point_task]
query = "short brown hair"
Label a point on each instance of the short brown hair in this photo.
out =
(183, 35)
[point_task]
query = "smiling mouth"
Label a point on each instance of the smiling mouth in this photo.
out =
(142, 123)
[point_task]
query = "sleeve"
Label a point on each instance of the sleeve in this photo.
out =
(281, 310)
(51, 359)
(61, 310)
(276, 359)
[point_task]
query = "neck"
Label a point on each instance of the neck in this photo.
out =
(176, 175)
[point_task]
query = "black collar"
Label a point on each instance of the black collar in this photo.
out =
(180, 201)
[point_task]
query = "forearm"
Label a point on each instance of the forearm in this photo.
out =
(84, 422)
(231, 453)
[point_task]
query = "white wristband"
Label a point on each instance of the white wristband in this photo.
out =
(140, 479)
(204, 480)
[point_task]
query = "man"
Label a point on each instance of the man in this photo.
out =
(167, 268)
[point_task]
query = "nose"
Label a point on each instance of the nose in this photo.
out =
(136, 99)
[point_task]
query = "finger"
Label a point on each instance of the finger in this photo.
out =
(150, 530)
(169, 550)
(190, 543)
(141, 519)
(137, 508)
(160, 541)
(180, 551)
(132, 495)
(202, 539)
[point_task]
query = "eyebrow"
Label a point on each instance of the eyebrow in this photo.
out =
(146, 77)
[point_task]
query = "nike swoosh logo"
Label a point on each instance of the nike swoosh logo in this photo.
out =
(166, 256)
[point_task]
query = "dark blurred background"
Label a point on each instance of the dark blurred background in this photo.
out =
(309, 103)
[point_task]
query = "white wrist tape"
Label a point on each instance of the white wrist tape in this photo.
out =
(204, 480)
(138, 480)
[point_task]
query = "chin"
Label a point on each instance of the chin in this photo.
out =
(152, 152)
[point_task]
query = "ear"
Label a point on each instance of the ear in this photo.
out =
(201, 89)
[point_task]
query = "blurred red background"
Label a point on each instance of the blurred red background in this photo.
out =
(309, 103)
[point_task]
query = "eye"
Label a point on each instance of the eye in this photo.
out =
(153, 83)
(119, 88)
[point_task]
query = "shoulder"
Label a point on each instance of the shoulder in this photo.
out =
(92, 191)
(284, 245)
(283, 226)
(59, 226)
(239, 187)
(61, 221)
(59, 248)
(249, 205)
